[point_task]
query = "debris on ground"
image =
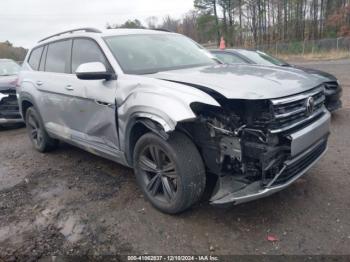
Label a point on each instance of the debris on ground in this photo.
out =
(272, 238)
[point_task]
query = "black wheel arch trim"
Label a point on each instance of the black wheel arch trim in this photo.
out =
(25, 96)
(148, 124)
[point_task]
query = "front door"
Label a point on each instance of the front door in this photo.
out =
(93, 110)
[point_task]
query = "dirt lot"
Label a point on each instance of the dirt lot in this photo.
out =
(72, 202)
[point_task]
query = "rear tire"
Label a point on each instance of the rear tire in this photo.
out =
(37, 133)
(170, 173)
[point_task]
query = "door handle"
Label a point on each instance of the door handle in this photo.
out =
(39, 83)
(101, 103)
(69, 87)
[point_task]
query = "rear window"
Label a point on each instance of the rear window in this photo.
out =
(230, 58)
(34, 59)
(58, 57)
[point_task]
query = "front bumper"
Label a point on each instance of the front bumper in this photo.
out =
(5, 121)
(236, 193)
(9, 108)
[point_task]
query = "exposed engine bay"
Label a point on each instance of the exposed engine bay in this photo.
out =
(238, 145)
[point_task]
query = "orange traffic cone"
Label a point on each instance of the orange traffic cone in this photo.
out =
(222, 43)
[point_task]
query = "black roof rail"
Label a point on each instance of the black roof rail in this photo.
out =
(162, 29)
(86, 29)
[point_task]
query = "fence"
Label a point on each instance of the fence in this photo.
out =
(303, 47)
(309, 46)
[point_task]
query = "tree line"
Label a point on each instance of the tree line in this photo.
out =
(257, 22)
(7, 50)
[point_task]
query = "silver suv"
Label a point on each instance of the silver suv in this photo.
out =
(159, 103)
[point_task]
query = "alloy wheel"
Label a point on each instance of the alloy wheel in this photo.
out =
(159, 173)
(35, 131)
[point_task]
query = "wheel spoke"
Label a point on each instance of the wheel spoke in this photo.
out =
(154, 184)
(169, 170)
(155, 153)
(34, 133)
(172, 174)
(168, 191)
(39, 137)
(32, 123)
(169, 167)
(152, 151)
(147, 165)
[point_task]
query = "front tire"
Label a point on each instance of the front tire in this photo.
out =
(170, 173)
(37, 133)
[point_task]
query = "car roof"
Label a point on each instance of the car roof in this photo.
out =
(124, 31)
(233, 50)
(6, 60)
(101, 34)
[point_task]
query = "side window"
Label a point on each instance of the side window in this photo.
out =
(58, 57)
(86, 51)
(34, 59)
(43, 59)
(230, 58)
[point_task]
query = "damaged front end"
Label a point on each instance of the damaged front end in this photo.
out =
(258, 147)
(9, 108)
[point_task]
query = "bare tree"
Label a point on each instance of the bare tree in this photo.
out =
(257, 22)
(152, 22)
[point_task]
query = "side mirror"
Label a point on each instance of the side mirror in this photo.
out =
(93, 71)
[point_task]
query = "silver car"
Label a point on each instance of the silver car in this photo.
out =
(161, 104)
(333, 90)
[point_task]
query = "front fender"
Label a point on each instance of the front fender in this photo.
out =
(164, 102)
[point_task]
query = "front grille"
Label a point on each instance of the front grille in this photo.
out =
(291, 111)
(8, 92)
(9, 106)
(300, 165)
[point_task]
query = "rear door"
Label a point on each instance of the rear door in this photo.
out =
(58, 96)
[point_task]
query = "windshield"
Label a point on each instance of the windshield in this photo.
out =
(146, 54)
(8, 68)
(262, 58)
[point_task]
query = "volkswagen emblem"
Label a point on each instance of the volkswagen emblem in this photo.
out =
(310, 106)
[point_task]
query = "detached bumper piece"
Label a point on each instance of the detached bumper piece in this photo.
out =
(235, 192)
(333, 96)
(9, 109)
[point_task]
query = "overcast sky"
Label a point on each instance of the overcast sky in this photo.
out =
(24, 22)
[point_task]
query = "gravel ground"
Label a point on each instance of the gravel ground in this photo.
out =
(72, 202)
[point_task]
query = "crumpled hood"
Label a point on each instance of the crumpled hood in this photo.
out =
(245, 81)
(5, 82)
